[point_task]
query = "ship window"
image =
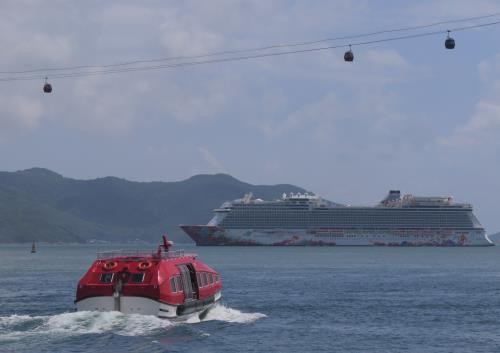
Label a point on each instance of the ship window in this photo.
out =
(217, 278)
(205, 282)
(198, 279)
(211, 279)
(106, 277)
(179, 283)
(137, 277)
(172, 284)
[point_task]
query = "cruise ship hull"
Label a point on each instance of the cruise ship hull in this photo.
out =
(215, 235)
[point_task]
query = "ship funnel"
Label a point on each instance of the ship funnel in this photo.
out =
(393, 197)
(395, 193)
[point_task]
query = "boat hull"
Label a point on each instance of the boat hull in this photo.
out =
(146, 306)
(214, 235)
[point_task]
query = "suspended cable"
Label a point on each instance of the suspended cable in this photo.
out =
(240, 51)
(240, 58)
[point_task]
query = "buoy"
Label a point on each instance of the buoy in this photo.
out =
(110, 265)
(144, 265)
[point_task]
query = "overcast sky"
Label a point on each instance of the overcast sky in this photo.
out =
(406, 115)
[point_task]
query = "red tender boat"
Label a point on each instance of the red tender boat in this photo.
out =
(165, 283)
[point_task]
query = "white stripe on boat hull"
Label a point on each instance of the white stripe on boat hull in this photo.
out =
(133, 305)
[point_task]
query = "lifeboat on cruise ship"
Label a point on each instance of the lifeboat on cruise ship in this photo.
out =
(165, 283)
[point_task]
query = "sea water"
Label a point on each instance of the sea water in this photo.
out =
(276, 299)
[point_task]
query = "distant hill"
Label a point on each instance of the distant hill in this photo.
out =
(41, 205)
(495, 238)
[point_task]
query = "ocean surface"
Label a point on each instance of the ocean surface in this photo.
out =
(295, 299)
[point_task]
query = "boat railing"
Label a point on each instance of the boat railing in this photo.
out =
(171, 254)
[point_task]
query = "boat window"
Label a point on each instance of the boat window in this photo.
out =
(179, 283)
(210, 278)
(172, 284)
(217, 278)
(198, 279)
(106, 277)
(137, 277)
(205, 282)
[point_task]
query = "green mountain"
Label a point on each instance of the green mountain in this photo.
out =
(38, 204)
(495, 238)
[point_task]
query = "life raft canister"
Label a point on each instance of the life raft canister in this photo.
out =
(144, 265)
(110, 265)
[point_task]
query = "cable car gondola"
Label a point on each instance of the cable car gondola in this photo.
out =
(449, 43)
(47, 87)
(349, 56)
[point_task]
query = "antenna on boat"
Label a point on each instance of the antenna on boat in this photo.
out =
(165, 245)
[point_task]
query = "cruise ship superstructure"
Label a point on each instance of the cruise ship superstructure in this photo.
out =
(305, 219)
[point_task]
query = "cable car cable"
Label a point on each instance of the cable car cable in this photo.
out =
(240, 58)
(237, 51)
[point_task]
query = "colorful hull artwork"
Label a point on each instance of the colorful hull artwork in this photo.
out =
(214, 235)
(305, 219)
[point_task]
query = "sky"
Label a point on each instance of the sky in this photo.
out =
(406, 115)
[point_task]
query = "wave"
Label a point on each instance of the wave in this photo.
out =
(15, 327)
(79, 323)
(221, 312)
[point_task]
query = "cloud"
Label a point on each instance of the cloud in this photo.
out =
(122, 29)
(185, 40)
(210, 159)
(105, 105)
(318, 113)
(345, 119)
(387, 58)
(189, 105)
(27, 38)
(19, 113)
(482, 127)
(124, 14)
(425, 11)
(489, 71)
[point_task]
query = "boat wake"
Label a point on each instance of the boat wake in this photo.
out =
(78, 323)
(222, 313)
(16, 327)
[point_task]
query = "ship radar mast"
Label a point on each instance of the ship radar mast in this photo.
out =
(165, 245)
(247, 198)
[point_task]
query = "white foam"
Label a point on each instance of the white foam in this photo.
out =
(15, 327)
(141, 325)
(222, 313)
(77, 323)
(7, 321)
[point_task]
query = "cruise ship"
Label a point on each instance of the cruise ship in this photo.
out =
(306, 219)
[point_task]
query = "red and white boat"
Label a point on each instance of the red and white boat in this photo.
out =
(165, 283)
